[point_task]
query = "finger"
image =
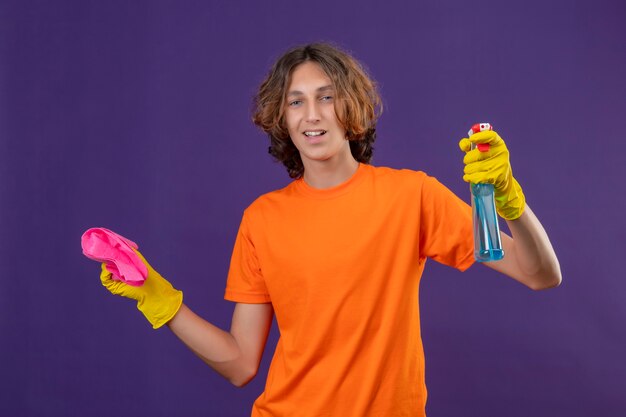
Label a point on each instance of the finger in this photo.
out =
(474, 168)
(106, 278)
(465, 144)
(475, 155)
(489, 136)
(479, 178)
(471, 157)
(105, 274)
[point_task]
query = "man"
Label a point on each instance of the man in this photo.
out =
(337, 255)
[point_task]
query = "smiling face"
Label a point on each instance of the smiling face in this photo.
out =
(310, 116)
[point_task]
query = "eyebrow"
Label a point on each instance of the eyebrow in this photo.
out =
(299, 93)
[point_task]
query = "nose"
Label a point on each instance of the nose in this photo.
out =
(313, 112)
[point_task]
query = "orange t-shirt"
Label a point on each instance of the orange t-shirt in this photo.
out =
(341, 267)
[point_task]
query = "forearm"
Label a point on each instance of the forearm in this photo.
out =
(533, 252)
(216, 347)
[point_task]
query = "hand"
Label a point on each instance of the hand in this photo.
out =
(493, 167)
(156, 298)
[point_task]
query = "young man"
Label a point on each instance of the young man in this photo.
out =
(338, 254)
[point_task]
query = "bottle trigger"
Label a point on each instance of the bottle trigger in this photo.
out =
(482, 147)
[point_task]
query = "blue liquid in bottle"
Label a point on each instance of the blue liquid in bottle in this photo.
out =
(487, 244)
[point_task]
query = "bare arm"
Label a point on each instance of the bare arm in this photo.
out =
(528, 256)
(236, 354)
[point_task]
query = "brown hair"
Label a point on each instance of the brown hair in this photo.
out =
(357, 108)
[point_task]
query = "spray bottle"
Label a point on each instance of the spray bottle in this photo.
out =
(487, 244)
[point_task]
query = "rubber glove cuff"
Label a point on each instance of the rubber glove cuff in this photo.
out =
(510, 202)
(159, 313)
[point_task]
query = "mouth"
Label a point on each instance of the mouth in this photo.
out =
(313, 133)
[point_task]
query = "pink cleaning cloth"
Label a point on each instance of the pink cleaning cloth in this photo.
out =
(104, 245)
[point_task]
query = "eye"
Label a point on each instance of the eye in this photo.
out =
(326, 98)
(295, 103)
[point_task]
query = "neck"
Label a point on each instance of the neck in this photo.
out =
(330, 173)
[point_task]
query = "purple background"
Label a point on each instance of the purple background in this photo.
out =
(136, 116)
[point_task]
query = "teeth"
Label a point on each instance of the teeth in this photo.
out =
(315, 133)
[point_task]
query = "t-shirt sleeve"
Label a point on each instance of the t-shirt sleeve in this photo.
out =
(446, 226)
(245, 283)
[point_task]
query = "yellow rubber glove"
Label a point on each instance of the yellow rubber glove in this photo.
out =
(493, 167)
(156, 298)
